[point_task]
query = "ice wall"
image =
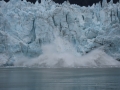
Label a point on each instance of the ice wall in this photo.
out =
(47, 29)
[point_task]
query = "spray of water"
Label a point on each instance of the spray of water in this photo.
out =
(61, 53)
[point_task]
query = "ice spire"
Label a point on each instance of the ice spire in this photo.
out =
(100, 5)
(37, 2)
(68, 3)
(104, 3)
(111, 2)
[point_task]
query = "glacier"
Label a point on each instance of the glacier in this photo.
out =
(49, 34)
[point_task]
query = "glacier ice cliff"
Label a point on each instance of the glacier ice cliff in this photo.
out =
(48, 34)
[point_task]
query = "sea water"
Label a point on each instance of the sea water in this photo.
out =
(60, 79)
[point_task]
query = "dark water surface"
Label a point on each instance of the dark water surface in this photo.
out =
(59, 79)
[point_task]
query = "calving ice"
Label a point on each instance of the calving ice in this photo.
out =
(49, 34)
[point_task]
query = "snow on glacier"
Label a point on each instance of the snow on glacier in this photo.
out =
(49, 34)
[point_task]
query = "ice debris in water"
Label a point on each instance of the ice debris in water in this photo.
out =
(49, 34)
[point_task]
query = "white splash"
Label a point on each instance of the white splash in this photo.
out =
(61, 53)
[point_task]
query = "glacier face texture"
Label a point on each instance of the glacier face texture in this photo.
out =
(48, 34)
